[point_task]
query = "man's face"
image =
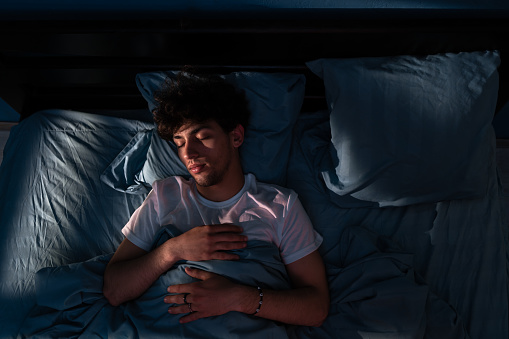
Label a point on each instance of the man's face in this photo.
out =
(206, 150)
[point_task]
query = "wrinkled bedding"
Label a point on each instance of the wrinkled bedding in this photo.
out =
(374, 292)
(459, 247)
(421, 271)
(70, 301)
(54, 210)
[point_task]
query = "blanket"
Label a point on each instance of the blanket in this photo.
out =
(375, 293)
(70, 302)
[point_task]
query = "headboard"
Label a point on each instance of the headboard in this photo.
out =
(90, 62)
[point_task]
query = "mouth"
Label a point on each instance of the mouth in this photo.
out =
(195, 168)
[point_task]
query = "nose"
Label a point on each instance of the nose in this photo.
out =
(188, 151)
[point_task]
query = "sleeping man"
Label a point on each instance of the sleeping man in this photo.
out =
(218, 212)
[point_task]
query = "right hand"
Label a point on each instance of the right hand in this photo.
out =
(209, 242)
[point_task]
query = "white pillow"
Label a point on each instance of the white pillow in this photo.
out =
(410, 129)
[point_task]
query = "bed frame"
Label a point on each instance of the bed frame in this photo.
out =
(90, 63)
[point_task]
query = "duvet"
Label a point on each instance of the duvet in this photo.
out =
(374, 293)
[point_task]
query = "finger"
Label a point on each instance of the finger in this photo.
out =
(179, 289)
(227, 246)
(228, 238)
(199, 274)
(176, 299)
(226, 235)
(225, 228)
(224, 256)
(180, 309)
(191, 317)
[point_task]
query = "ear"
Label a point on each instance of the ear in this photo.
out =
(237, 136)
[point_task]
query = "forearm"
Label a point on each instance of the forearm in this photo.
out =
(306, 306)
(132, 271)
(127, 279)
(307, 303)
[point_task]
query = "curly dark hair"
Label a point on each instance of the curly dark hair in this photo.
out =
(197, 99)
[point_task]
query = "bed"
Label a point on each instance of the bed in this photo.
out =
(388, 143)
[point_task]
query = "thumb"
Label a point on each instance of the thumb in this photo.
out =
(198, 274)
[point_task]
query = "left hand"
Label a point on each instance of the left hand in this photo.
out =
(211, 296)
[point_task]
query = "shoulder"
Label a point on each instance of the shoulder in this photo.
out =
(169, 191)
(272, 192)
(171, 183)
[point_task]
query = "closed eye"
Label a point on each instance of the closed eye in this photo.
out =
(179, 142)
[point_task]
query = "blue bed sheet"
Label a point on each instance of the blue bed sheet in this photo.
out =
(421, 271)
(459, 247)
(373, 292)
(71, 304)
(54, 210)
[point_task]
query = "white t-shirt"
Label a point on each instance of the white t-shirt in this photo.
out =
(265, 212)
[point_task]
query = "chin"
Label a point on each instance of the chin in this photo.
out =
(207, 180)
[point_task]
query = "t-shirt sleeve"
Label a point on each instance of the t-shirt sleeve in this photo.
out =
(298, 237)
(144, 223)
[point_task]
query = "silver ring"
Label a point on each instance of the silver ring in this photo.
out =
(190, 308)
(185, 298)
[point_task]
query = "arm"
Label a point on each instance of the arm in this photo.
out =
(131, 270)
(306, 304)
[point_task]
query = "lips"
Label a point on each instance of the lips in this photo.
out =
(196, 168)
